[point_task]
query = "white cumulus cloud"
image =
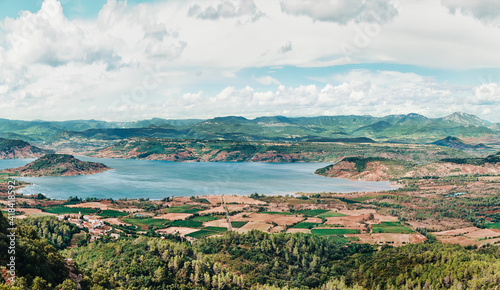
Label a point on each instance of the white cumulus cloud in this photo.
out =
(227, 9)
(342, 11)
(484, 10)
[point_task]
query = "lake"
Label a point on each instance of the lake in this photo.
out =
(158, 179)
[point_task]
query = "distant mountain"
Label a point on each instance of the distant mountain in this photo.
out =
(11, 149)
(58, 165)
(403, 128)
(456, 143)
(469, 120)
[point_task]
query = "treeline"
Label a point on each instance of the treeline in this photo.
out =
(425, 266)
(58, 233)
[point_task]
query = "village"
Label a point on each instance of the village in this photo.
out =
(95, 227)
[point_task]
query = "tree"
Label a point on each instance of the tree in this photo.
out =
(68, 284)
(40, 284)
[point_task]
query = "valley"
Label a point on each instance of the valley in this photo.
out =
(311, 203)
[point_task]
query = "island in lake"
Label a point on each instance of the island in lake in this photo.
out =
(57, 165)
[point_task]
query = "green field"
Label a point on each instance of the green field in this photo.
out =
(391, 228)
(70, 210)
(201, 200)
(144, 222)
(492, 226)
(186, 224)
(208, 231)
(311, 212)
(348, 201)
(328, 232)
(186, 208)
(280, 212)
(330, 214)
(205, 218)
(215, 229)
(109, 213)
(238, 224)
(200, 234)
(305, 225)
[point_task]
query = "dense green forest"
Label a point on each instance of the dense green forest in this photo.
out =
(242, 261)
(36, 260)
(58, 233)
(285, 260)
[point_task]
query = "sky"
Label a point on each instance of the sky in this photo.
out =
(176, 59)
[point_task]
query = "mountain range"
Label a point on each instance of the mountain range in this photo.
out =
(404, 128)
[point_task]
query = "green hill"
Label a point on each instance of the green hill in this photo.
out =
(10, 149)
(405, 128)
(58, 165)
(454, 142)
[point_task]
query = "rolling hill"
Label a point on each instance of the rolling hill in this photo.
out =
(58, 165)
(10, 149)
(454, 142)
(405, 128)
(377, 168)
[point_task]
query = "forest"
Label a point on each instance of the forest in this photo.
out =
(254, 260)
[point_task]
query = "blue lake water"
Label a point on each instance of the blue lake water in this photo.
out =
(159, 179)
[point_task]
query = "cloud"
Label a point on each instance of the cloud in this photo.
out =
(341, 11)
(267, 81)
(286, 47)
(48, 37)
(357, 92)
(487, 94)
(484, 10)
(227, 9)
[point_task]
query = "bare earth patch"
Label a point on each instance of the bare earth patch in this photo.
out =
(32, 212)
(483, 233)
(489, 241)
(292, 231)
(457, 232)
(268, 218)
(177, 230)
(115, 221)
(217, 223)
(254, 226)
(99, 205)
(220, 209)
(277, 229)
(365, 211)
(461, 240)
(217, 199)
(344, 222)
(313, 220)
